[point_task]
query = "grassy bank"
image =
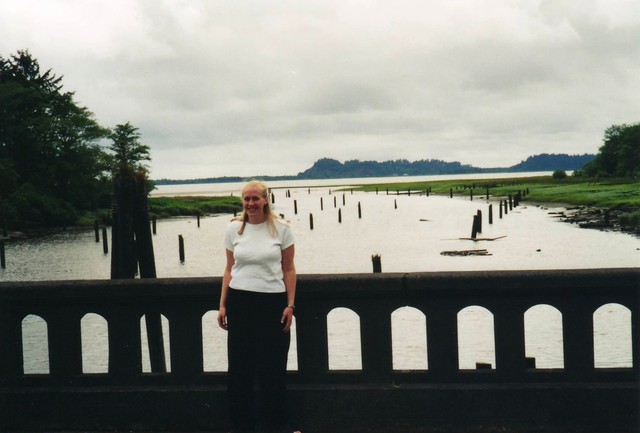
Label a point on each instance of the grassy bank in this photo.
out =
(165, 207)
(623, 194)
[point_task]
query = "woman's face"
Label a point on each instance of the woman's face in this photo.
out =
(254, 204)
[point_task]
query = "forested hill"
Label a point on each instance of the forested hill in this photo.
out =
(330, 168)
(327, 168)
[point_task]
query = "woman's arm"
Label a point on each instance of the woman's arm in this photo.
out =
(289, 277)
(224, 291)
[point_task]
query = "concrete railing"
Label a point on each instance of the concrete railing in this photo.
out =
(511, 396)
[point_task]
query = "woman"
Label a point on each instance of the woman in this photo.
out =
(257, 302)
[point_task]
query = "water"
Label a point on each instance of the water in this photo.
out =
(408, 232)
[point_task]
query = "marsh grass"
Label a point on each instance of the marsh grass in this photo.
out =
(605, 193)
(164, 207)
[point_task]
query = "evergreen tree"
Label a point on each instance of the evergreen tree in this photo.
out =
(51, 165)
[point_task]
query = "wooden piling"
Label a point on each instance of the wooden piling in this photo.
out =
(471, 194)
(490, 214)
(506, 207)
(181, 248)
(273, 198)
(474, 227)
(395, 204)
(198, 219)
(500, 208)
(310, 221)
(3, 258)
(105, 241)
(335, 203)
(340, 215)
(450, 192)
(344, 203)
(321, 204)
(510, 202)
(359, 211)
(295, 207)
(96, 230)
(479, 214)
(487, 193)
(377, 263)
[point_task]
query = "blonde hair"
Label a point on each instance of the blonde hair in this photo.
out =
(270, 216)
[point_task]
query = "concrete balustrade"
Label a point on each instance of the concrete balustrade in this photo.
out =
(510, 396)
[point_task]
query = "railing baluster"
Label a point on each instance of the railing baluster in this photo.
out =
(185, 330)
(125, 356)
(65, 345)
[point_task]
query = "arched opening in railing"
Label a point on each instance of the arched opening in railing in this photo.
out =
(476, 338)
(612, 338)
(543, 336)
(344, 345)
(409, 339)
(214, 344)
(94, 331)
(35, 345)
(146, 358)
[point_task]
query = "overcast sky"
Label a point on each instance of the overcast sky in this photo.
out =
(266, 87)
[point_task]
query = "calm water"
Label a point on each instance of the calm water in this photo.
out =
(408, 232)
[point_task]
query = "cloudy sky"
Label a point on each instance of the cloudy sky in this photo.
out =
(267, 87)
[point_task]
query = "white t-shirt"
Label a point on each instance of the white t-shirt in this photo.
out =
(258, 256)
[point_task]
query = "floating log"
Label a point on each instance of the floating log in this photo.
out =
(481, 239)
(482, 252)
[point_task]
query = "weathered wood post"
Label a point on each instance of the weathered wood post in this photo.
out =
(500, 208)
(479, 214)
(487, 193)
(474, 227)
(105, 242)
(471, 193)
(310, 221)
(132, 246)
(273, 198)
(506, 207)
(490, 214)
(198, 219)
(340, 215)
(377, 263)
(295, 207)
(181, 248)
(96, 230)
(343, 200)
(510, 202)
(359, 211)
(395, 204)
(3, 258)
(450, 192)
(321, 204)
(335, 203)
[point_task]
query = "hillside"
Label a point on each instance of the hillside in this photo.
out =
(330, 168)
(327, 168)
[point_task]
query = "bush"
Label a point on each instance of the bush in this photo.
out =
(559, 174)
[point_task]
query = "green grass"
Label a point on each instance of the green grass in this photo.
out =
(164, 207)
(607, 193)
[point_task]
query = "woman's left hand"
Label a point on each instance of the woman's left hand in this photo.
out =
(287, 318)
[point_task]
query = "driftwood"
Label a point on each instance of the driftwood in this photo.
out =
(481, 239)
(466, 253)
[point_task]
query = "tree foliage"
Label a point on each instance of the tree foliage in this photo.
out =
(51, 164)
(619, 156)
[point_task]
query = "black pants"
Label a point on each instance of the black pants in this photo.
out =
(257, 349)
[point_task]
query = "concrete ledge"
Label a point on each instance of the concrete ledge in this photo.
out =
(518, 408)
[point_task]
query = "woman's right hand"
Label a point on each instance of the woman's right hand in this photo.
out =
(222, 318)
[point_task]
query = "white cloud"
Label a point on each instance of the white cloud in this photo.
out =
(241, 87)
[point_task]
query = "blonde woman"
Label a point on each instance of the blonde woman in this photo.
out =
(257, 303)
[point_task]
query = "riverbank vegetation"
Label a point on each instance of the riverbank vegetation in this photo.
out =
(165, 207)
